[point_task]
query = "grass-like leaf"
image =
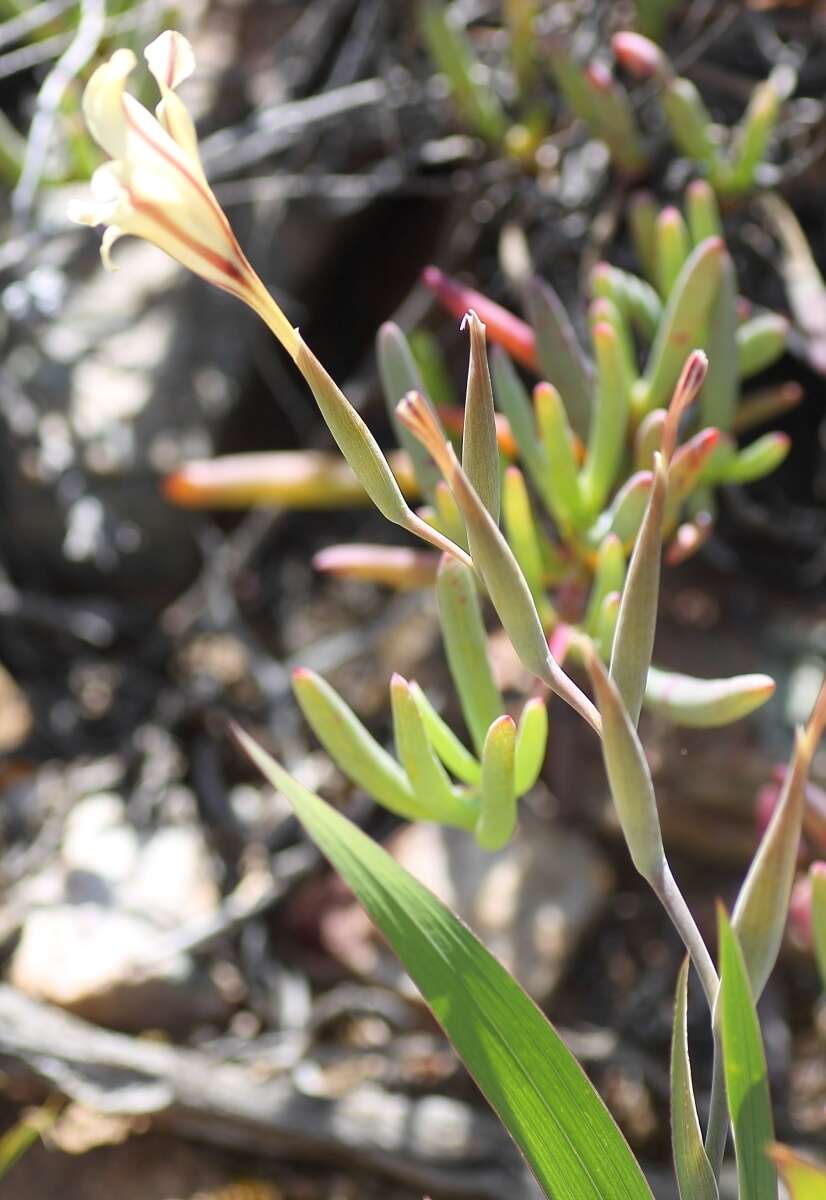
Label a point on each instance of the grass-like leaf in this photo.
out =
(695, 1177)
(522, 1066)
(744, 1059)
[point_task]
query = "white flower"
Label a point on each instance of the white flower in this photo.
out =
(155, 187)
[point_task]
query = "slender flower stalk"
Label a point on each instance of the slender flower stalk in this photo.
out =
(156, 189)
(155, 186)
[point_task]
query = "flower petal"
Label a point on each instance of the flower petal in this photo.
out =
(171, 60)
(102, 103)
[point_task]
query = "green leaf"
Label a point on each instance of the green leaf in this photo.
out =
(702, 212)
(560, 488)
(513, 400)
(636, 299)
(744, 1061)
(673, 248)
(634, 638)
(721, 390)
(760, 342)
(751, 137)
(360, 448)
(466, 646)
(354, 751)
(689, 121)
(682, 325)
(453, 55)
(531, 744)
(431, 363)
(759, 458)
(612, 119)
(399, 375)
(642, 218)
(444, 741)
(523, 535)
(627, 511)
(629, 775)
(704, 703)
(609, 576)
(480, 450)
(571, 80)
(497, 798)
(519, 1062)
(607, 625)
(609, 420)
(817, 875)
(428, 778)
(761, 908)
(448, 516)
(649, 438)
(560, 355)
(694, 1174)
(804, 1180)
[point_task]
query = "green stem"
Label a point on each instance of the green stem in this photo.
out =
(669, 894)
(671, 898)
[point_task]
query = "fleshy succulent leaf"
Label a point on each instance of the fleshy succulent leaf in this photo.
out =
(721, 391)
(609, 420)
(497, 798)
(523, 535)
(531, 744)
(354, 751)
(430, 782)
(465, 642)
(458, 760)
(759, 458)
(513, 400)
(704, 703)
(684, 320)
(761, 340)
(398, 567)
(399, 375)
(561, 359)
(503, 327)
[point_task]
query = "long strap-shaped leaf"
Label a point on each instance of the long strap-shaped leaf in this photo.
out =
(695, 1177)
(747, 1085)
(524, 1069)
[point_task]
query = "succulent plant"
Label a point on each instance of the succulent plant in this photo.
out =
(733, 160)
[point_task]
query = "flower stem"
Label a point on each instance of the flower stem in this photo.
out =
(669, 894)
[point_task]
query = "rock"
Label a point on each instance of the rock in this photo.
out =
(530, 902)
(96, 923)
(15, 714)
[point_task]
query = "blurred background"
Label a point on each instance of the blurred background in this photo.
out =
(132, 628)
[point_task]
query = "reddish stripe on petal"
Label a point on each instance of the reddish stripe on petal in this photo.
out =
(219, 262)
(170, 66)
(181, 167)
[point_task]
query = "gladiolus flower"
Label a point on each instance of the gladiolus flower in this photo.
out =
(155, 187)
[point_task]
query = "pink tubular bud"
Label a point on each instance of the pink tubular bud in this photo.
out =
(639, 55)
